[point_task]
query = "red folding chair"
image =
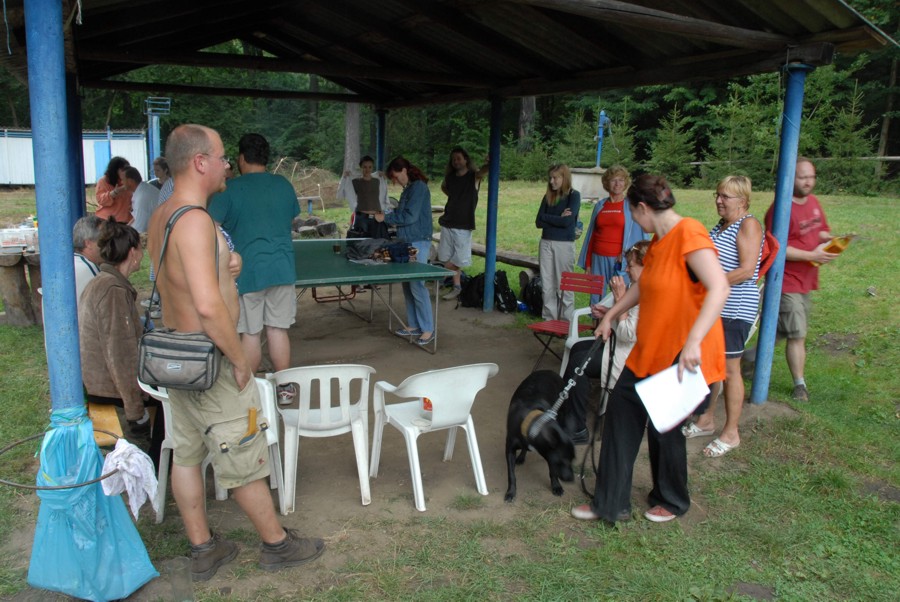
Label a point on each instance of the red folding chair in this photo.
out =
(547, 331)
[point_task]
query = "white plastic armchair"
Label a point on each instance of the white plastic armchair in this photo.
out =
(267, 400)
(325, 410)
(452, 392)
(575, 336)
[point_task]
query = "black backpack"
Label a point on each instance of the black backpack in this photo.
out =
(533, 296)
(472, 293)
(504, 297)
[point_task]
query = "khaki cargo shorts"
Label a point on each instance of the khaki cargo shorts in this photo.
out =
(793, 315)
(217, 420)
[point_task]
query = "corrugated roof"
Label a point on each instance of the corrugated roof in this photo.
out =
(406, 52)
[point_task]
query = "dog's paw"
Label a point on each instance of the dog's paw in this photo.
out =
(510, 496)
(557, 490)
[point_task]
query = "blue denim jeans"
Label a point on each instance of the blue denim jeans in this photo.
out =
(418, 301)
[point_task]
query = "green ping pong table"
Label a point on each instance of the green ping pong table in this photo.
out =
(323, 263)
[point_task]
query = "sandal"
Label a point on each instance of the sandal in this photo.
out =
(717, 448)
(691, 430)
(407, 332)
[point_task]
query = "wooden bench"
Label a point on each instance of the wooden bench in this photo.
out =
(507, 257)
(105, 417)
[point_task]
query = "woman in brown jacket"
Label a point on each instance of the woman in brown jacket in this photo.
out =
(109, 329)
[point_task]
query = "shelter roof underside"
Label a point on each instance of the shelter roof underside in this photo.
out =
(407, 52)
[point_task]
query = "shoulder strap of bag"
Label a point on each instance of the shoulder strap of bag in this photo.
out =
(162, 253)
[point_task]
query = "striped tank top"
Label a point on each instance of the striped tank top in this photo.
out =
(743, 302)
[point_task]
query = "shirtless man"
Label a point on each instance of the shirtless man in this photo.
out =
(198, 298)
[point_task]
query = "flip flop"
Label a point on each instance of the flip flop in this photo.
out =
(691, 430)
(717, 448)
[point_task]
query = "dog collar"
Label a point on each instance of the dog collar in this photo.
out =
(530, 418)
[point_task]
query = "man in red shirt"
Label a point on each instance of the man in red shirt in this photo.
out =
(808, 235)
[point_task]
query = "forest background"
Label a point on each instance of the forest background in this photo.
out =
(693, 133)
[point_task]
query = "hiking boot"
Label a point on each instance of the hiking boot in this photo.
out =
(800, 393)
(293, 551)
(208, 557)
(453, 294)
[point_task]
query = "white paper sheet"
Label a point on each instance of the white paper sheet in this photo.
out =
(668, 401)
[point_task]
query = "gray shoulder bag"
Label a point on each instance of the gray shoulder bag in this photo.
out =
(188, 361)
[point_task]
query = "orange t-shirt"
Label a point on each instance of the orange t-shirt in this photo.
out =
(670, 303)
(609, 230)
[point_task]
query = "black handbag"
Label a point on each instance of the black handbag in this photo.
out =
(188, 361)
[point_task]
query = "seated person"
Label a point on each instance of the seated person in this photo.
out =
(87, 256)
(109, 330)
(572, 414)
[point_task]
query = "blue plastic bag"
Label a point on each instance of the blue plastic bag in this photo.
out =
(85, 544)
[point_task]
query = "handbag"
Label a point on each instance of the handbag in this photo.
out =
(187, 361)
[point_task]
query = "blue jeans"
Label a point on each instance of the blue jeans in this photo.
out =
(418, 301)
(606, 267)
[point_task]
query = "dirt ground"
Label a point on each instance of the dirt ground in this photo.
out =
(328, 501)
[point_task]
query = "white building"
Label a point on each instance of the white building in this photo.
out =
(17, 158)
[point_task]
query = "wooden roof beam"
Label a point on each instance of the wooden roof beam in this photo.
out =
(238, 61)
(166, 87)
(626, 13)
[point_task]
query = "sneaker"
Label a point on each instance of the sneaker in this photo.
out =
(139, 430)
(404, 332)
(658, 514)
(453, 294)
(155, 314)
(286, 394)
(800, 393)
(293, 551)
(208, 557)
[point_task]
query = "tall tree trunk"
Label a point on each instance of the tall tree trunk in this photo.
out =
(526, 123)
(351, 136)
(886, 120)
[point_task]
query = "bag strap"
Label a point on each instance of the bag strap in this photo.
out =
(162, 253)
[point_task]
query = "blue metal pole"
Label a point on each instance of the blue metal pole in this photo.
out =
(784, 193)
(380, 132)
(154, 144)
(601, 125)
(47, 92)
(490, 247)
(76, 166)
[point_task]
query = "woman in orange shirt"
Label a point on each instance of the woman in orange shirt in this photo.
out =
(112, 195)
(681, 292)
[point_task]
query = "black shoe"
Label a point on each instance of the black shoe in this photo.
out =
(581, 437)
(293, 551)
(139, 430)
(208, 557)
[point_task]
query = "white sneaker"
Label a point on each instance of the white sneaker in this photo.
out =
(453, 294)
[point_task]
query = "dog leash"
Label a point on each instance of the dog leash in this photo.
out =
(552, 413)
(599, 421)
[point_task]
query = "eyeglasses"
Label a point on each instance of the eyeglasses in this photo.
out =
(718, 195)
(224, 159)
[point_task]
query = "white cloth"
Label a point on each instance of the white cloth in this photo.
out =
(135, 476)
(347, 192)
(85, 270)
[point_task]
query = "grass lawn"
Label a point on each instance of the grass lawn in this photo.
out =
(809, 511)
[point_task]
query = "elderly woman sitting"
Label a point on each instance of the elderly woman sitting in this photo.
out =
(109, 329)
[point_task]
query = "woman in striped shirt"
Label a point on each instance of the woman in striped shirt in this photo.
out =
(738, 239)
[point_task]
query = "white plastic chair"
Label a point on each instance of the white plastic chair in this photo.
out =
(452, 392)
(325, 411)
(267, 400)
(575, 336)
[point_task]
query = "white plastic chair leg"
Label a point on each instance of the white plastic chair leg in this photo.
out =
(291, 452)
(480, 482)
(375, 458)
(415, 471)
(360, 446)
(276, 477)
(451, 443)
(162, 477)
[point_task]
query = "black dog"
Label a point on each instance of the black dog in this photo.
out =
(535, 395)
